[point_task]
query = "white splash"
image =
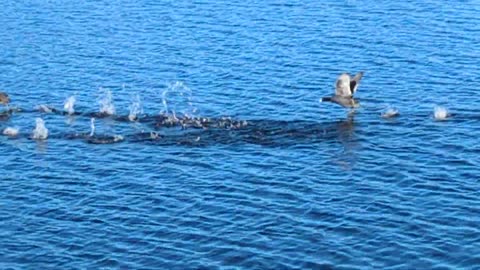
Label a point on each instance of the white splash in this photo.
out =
(106, 102)
(117, 138)
(69, 104)
(440, 113)
(10, 131)
(40, 132)
(44, 108)
(154, 135)
(177, 99)
(135, 108)
(92, 127)
(390, 113)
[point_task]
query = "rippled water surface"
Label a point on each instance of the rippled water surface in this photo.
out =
(197, 140)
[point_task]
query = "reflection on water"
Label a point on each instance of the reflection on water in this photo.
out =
(349, 149)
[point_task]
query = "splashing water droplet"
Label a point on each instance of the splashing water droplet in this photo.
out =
(10, 131)
(135, 108)
(106, 102)
(390, 113)
(440, 113)
(40, 132)
(92, 127)
(117, 138)
(154, 135)
(44, 108)
(177, 100)
(69, 104)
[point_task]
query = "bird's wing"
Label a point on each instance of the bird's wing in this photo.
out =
(342, 86)
(355, 81)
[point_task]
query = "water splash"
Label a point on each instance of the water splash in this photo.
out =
(177, 99)
(69, 104)
(10, 131)
(40, 132)
(440, 113)
(135, 108)
(390, 113)
(106, 102)
(154, 135)
(92, 127)
(44, 108)
(118, 138)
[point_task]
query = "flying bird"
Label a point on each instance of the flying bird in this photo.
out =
(345, 87)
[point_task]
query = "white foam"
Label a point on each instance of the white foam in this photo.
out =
(40, 132)
(440, 113)
(69, 104)
(10, 131)
(106, 102)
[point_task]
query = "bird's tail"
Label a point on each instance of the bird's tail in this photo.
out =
(325, 99)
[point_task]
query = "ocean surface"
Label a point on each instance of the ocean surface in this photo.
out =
(189, 135)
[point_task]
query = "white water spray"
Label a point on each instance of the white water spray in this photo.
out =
(40, 132)
(44, 108)
(10, 131)
(117, 138)
(135, 108)
(92, 127)
(106, 102)
(69, 104)
(440, 113)
(177, 99)
(390, 113)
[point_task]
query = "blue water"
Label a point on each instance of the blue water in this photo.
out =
(234, 163)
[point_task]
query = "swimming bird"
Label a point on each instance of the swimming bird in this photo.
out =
(345, 87)
(4, 99)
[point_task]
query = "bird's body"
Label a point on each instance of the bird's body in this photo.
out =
(345, 87)
(4, 99)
